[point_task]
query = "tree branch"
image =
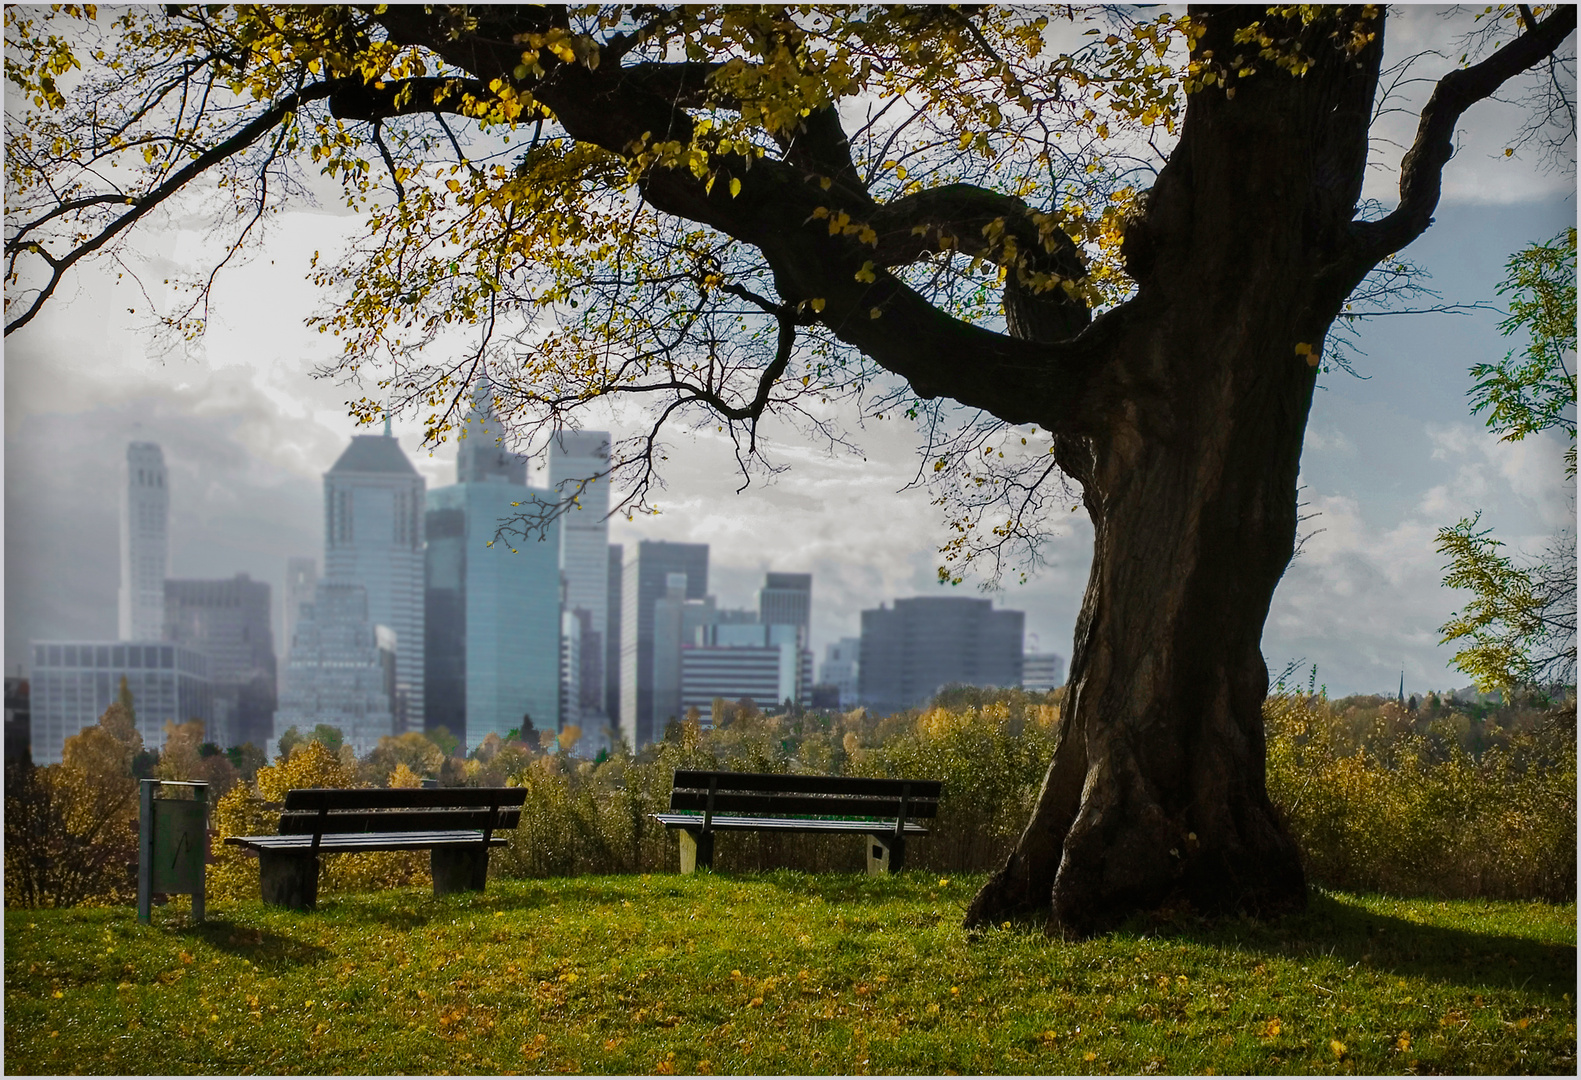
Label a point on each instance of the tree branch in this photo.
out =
(238, 142)
(1421, 170)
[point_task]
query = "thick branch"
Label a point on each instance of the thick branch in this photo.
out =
(772, 210)
(1421, 171)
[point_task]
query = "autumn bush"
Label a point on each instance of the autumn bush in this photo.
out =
(1448, 799)
(253, 809)
(70, 828)
(1429, 802)
(989, 751)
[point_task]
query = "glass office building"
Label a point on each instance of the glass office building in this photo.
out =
(373, 537)
(341, 670)
(493, 622)
(644, 583)
(73, 682)
(924, 643)
(576, 458)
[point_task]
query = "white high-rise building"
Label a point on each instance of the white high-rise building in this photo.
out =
(575, 456)
(145, 546)
(301, 575)
(1042, 671)
(373, 537)
(840, 667)
(341, 669)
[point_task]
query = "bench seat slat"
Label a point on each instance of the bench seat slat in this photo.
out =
(805, 784)
(358, 821)
(371, 841)
(783, 824)
(400, 798)
(782, 805)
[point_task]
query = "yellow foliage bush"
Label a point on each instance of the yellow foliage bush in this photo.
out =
(1378, 804)
(252, 810)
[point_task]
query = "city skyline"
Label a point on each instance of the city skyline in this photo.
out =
(1388, 459)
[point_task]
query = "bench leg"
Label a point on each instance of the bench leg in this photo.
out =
(289, 878)
(459, 869)
(886, 853)
(697, 849)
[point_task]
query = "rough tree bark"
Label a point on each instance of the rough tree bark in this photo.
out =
(1247, 249)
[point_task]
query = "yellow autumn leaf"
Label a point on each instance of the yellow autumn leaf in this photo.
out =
(817, 303)
(1273, 1028)
(453, 185)
(874, 313)
(1089, 1056)
(735, 187)
(1338, 1047)
(866, 274)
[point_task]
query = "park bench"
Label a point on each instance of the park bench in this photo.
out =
(702, 803)
(456, 825)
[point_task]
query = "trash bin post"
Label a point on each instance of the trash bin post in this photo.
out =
(172, 844)
(145, 849)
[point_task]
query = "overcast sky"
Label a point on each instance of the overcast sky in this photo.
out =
(247, 434)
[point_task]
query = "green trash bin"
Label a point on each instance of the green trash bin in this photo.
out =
(172, 844)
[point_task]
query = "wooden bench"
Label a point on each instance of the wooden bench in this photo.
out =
(456, 825)
(702, 803)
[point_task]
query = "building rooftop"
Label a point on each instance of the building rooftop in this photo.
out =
(373, 454)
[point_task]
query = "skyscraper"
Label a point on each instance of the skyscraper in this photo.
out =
(341, 669)
(229, 620)
(493, 632)
(786, 600)
(1042, 671)
(922, 644)
(577, 460)
(301, 575)
(373, 537)
(644, 582)
(145, 548)
(839, 669)
(612, 633)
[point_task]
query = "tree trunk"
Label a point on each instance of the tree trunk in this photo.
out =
(1157, 794)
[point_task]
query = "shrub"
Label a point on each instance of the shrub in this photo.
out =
(250, 810)
(1382, 799)
(70, 829)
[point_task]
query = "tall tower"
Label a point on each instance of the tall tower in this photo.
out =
(493, 627)
(373, 537)
(786, 600)
(574, 457)
(301, 576)
(644, 582)
(145, 547)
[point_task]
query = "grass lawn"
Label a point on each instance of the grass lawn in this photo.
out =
(782, 973)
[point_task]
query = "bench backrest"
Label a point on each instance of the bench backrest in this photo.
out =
(789, 793)
(347, 810)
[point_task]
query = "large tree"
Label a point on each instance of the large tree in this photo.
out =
(742, 213)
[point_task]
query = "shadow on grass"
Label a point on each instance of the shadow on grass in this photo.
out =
(264, 948)
(1335, 928)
